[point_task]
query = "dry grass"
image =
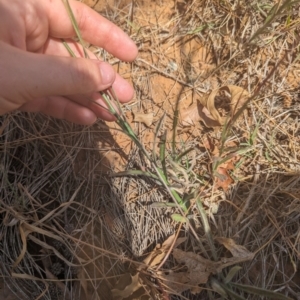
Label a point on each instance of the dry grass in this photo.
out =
(51, 191)
(84, 229)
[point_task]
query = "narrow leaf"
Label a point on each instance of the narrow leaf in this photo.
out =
(162, 153)
(156, 132)
(163, 205)
(75, 26)
(179, 218)
(218, 288)
(206, 226)
(174, 127)
(232, 273)
(68, 48)
(231, 293)
(135, 173)
(181, 155)
(260, 292)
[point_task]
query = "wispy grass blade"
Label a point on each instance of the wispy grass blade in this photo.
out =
(135, 173)
(156, 132)
(276, 11)
(174, 128)
(267, 294)
(230, 292)
(184, 153)
(75, 26)
(179, 218)
(206, 226)
(68, 48)
(162, 204)
(232, 272)
(162, 153)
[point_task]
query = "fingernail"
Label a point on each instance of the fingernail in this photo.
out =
(107, 74)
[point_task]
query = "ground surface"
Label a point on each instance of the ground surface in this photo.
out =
(199, 62)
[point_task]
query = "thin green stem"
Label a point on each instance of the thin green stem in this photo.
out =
(206, 226)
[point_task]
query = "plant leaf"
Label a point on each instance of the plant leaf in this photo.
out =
(179, 218)
(232, 273)
(261, 292)
(163, 204)
(135, 173)
(238, 96)
(218, 288)
(237, 251)
(231, 293)
(157, 129)
(126, 286)
(222, 178)
(75, 26)
(162, 154)
(205, 109)
(198, 112)
(159, 253)
(146, 119)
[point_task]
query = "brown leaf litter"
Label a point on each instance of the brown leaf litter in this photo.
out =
(197, 268)
(146, 119)
(213, 110)
(128, 284)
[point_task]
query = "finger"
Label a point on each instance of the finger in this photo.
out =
(94, 28)
(54, 46)
(66, 109)
(61, 108)
(122, 88)
(42, 75)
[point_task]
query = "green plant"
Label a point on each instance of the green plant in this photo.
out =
(177, 161)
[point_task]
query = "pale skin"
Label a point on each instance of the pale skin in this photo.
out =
(37, 73)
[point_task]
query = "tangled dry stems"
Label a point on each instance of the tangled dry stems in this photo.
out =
(51, 167)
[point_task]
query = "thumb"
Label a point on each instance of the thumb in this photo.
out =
(29, 75)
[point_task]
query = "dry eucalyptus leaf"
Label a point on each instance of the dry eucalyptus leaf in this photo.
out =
(130, 283)
(194, 261)
(205, 109)
(222, 179)
(240, 253)
(208, 144)
(179, 241)
(158, 254)
(196, 113)
(178, 282)
(221, 175)
(237, 251)
(199, 268)
(238, 96)
(146, 119)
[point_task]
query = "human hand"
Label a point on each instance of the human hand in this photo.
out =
(37, 73)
